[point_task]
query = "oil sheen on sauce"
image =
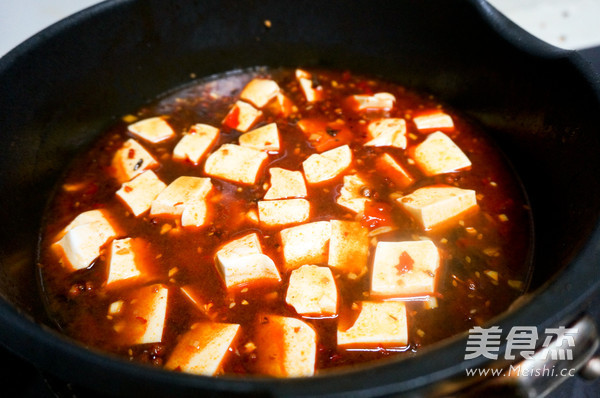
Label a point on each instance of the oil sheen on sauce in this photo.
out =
(483, 253)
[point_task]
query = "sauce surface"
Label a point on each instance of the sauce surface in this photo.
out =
(483, 252)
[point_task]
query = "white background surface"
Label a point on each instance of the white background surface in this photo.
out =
(21, 19)
(571, 24)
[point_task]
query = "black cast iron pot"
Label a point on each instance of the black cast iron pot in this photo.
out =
(541, 104)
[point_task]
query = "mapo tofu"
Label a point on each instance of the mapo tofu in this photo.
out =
(284, 222)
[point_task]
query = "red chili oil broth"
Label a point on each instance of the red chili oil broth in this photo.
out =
(494, 238)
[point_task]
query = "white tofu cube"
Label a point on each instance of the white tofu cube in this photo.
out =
(130, 160)
(375, 102)
(139, 193)
(198, 140)
(312, 291)
(387, 132)
(83, 239)
(404, 269)
(286, 184)
(265, 138)
(434, 205)
(306, 244)
(434, 121)
(349, 248)
(235, 163)
(240, 247)
(122, 264)
(242, 116)
(195, 214)
(311, 93)
(248, 271)
(202, 349)
(86, 217)
(242, 262)
(273, 213)
(151, 305)
(379, 323)
(143, 316)
(178, 194)
(438, 154)
(259, 92)
(282, 106)
(393, 170)
(285, 347)
(351, 194)
(327, 165)
(154, 130)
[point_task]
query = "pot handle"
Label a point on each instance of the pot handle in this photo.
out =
(586, 342)
(541, 373)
